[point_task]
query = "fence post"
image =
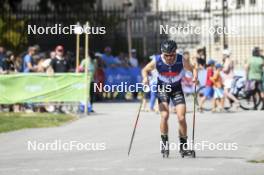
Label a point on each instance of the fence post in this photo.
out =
(77, 46)
(86, 68)
(145, 33)
(224, 4)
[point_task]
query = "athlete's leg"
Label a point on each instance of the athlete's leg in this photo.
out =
(181, 111)
(164, 112)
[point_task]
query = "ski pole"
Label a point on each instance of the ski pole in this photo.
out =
(194, 107)
(135, 126)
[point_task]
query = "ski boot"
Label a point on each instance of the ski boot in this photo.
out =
(184, 151)
(165, 146)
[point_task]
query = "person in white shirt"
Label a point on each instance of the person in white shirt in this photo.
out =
(133, 60)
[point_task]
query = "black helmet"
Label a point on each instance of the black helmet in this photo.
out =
(168, 46)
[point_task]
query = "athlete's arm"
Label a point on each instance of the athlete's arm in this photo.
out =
(146, 71)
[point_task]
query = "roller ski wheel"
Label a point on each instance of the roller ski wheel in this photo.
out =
(188, 153)
(165, 154)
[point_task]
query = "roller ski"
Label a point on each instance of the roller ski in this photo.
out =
(188, 153)
(164, 146)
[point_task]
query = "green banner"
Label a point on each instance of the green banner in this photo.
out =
(34, 87)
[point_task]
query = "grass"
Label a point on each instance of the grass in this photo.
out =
(16, 121)
(256, 161)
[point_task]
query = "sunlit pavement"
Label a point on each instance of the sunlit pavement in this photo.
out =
(112, 125)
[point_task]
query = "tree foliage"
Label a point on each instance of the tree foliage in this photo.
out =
(12, 33)
(61, 5)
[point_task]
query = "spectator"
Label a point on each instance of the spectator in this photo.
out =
(47, 62)
(99, 76)
(254, 72)
(8, 63)
(218, 88)
(153, 82)
(187, 82)
(59, 63)
(228, 75)
(201, 61)
(122, 60)
(108, 59)
(186, 55)
(201, 71)
(19, 63)
(208, 91)
(28, 65)
(2, 56)
(91, 69)
(40, 62)
(262, 92)
(133, 61)
(37, 48)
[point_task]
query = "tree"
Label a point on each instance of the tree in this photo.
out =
(9, 5)
(12, 30)
(69, 5)
(12, 33)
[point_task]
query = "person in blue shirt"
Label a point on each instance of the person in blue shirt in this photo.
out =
(108, 59)
(28, 61)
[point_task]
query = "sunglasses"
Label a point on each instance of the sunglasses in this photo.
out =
(169, 55)
(59, 50)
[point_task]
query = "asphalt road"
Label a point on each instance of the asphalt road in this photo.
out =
(111, 129)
